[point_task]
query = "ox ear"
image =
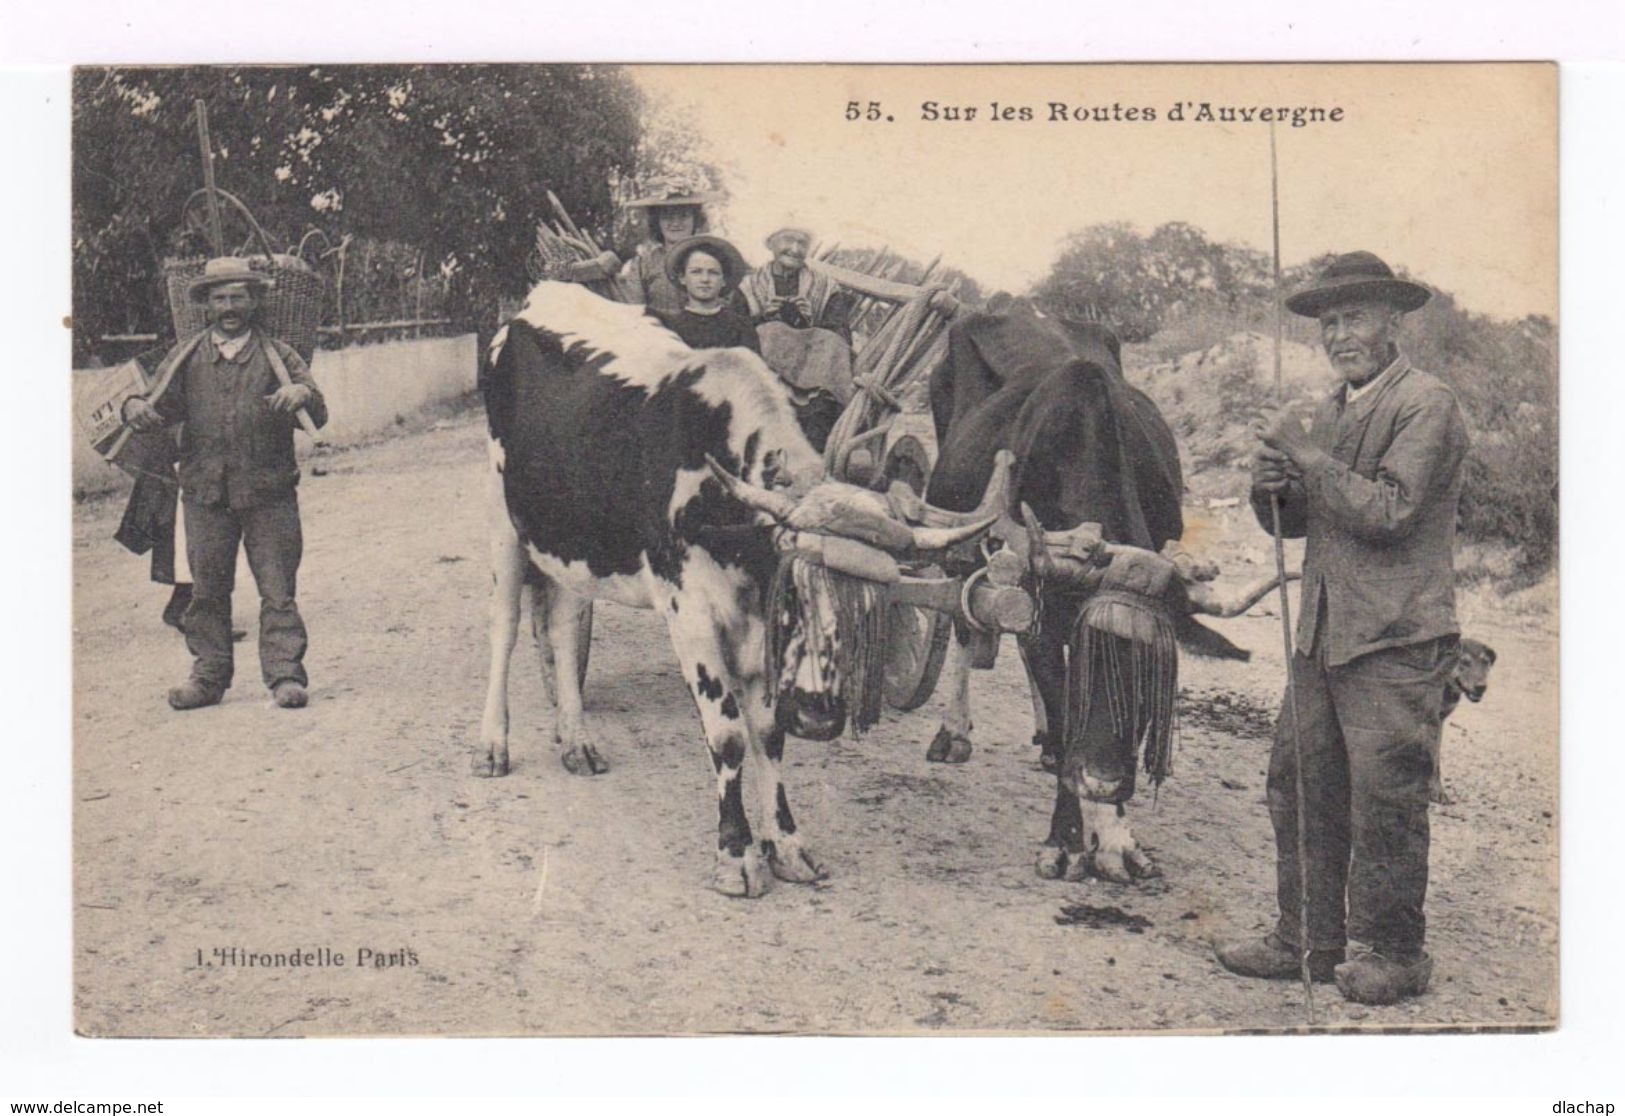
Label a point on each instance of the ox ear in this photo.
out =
(1206, 643)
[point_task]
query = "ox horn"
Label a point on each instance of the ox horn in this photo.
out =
(1203, 601)
(995, 500)
(941, 538)
(776, 504)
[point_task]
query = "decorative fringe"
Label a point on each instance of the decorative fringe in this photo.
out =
(1112, 626)
(800, 593)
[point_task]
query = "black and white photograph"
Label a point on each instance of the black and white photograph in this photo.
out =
(632, 550)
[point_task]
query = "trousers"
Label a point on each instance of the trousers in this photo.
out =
(1367, 729)
(270, 535)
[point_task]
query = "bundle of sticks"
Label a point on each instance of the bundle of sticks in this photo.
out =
(560, 243)
(895, 358)
(878, 263)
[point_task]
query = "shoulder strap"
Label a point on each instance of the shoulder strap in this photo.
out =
(280, 368)
(161, 379)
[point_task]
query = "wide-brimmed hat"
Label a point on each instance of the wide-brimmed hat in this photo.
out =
(733, 264)
(1357, 277)
(222, 270)
(671, 198)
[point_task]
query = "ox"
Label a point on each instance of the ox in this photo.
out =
(1096, 462)
(613, 450)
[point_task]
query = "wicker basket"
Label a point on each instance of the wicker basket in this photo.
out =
(291, 310)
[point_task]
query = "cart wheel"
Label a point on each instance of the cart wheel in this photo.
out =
(916, 638)
(916, 644)
(908, 461)
(583, 653)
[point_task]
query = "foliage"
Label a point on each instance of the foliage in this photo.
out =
(452, 161)
(672, 156)
(1110, 272)
(1181, 293)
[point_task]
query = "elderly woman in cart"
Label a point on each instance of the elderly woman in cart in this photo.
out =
(803, 317)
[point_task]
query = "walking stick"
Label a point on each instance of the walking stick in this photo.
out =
(1286, 619)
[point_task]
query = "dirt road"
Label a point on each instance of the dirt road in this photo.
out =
(544, 903)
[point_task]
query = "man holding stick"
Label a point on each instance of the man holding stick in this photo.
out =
(1373, 486)
(239, 394)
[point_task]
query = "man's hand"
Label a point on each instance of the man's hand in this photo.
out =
(1273, 471)
(288, 398)
(1282, 432)
(142, 416)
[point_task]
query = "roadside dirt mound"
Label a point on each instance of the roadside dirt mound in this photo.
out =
(1210, 395)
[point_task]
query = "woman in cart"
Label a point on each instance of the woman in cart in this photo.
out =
(673, 216)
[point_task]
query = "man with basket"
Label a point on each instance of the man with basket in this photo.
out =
(238, 392)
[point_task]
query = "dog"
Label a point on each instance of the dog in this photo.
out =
(1469, 678)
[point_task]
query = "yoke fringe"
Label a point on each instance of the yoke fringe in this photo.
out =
(859, 654)
(1112, 626)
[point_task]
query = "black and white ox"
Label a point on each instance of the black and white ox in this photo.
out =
(1097, 477)
(613, 450)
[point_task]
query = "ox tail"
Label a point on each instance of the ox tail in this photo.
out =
(1199, 639)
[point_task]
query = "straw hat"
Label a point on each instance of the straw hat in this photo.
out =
(1357, 277)
(733, 264)
(222, 270)
(671, 198)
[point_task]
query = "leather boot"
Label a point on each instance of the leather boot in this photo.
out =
(1272, 959)
(195, 694)
(1377, 978)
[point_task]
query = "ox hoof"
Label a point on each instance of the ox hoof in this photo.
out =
(1439, 796)
(491, 764)
(1052, 862)
(740, 876)
(584, 760)
(1079, 867)
(1124, 866)
(948, 747)
(792, 862)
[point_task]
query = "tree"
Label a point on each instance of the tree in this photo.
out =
(454, 161)
(1138, 283)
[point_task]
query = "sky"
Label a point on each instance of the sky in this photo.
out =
(1447, 170)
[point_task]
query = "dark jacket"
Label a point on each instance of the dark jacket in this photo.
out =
(1377, 502)
(727, 328)
(235, 450)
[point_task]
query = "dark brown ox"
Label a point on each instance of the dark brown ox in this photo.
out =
(1098, 479)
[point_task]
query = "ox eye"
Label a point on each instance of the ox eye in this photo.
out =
(773, 473)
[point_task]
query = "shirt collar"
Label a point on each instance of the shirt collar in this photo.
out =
(1351, 393)
(231, 348)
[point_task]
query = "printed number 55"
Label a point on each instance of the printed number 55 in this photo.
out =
(856, 111)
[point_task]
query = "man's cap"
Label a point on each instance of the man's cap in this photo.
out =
(226, 269)
(733, 264)
(1357, 277)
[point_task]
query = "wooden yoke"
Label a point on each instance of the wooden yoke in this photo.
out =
(988, 600)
